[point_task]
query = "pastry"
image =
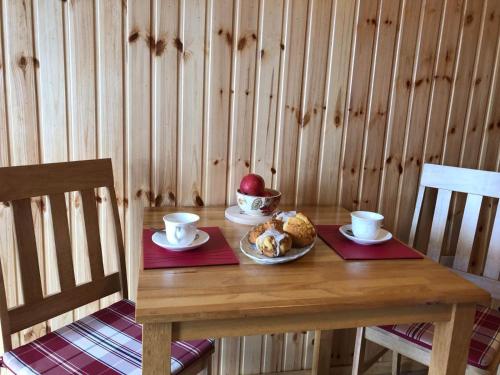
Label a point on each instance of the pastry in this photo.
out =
(273, 243)
(300, 228)
(284, 215)
(261, 228)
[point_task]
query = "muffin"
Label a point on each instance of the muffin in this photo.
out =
(273, 243)
(261, 228)
(300, 229)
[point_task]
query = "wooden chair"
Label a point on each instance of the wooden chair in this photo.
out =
(402, 339)
(109, 335)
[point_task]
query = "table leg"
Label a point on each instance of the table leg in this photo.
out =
(451, 342)
(156, 341)
(322, 352)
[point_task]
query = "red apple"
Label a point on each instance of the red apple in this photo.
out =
(252, 184)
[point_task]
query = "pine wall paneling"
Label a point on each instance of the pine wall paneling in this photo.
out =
(331, 101)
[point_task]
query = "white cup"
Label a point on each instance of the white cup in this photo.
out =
(180, 228)
(365, 224)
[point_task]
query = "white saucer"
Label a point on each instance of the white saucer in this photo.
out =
(383, 235)
(236, 215)
(160, 238)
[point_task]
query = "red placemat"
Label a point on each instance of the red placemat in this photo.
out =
(349, 250)
(215, 252)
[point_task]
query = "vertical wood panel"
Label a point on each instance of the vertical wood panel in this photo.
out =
(82, 120)
(191, 57)
(376, 121)
(110, 85)
(313, 100)
(21, 91)
(409, 29)
(49, 37)
(240, 133)
(8, 255)
(366, 27)
(138, 130)
(164, 102)
(335, 97)
(414, 144)
(267, 78)
(330, 101)
(219, 48)
(288, 129)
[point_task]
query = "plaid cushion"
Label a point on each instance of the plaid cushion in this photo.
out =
(106, 342)
(485, 340)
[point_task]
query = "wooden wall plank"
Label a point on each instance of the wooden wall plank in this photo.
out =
(220, 43)
(476, 125)
(191, 57)
(442, 81)
(391, 182)
(378, 107)
(266, 88)
(138, 130)
(418, 115)
(313, 104)
(21, 100)
(490, 156)
(8, 255)
(240, 133)
(335, 97)
(110, 120)
(49, 38)
(164, 101)
(464, 78)
(366, 27)
(80, 47)
(313, 101)
(288, 129)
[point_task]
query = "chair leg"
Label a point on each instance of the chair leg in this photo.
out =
(359, 352)
(209, 364)
(396, 363)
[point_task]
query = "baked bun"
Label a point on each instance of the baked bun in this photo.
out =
(261, 228)
(284, 215)
(300, 229)
(273, 243)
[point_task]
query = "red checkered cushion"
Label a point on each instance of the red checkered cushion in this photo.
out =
(485, 341)
(106, 342)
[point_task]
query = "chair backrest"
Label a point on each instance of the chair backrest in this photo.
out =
(17, 186)
(476, 184)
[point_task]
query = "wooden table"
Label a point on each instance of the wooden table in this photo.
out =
(319, 292)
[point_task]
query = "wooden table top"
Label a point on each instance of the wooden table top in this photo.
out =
(320, 281)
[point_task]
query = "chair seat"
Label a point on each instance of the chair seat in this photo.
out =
(106, 342)
(485, 340)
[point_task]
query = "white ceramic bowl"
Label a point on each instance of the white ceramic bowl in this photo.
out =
(258, 206)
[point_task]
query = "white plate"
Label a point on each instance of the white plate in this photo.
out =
(160, 238)
(250, 250)
(383, 235)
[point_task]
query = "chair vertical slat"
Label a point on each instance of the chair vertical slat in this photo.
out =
(28, 257)
(92, 233)
(467, 232)
(416, 214)
(119, 242)
(439, 224)
(492, 267)
(4, 316)
(62, 241)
